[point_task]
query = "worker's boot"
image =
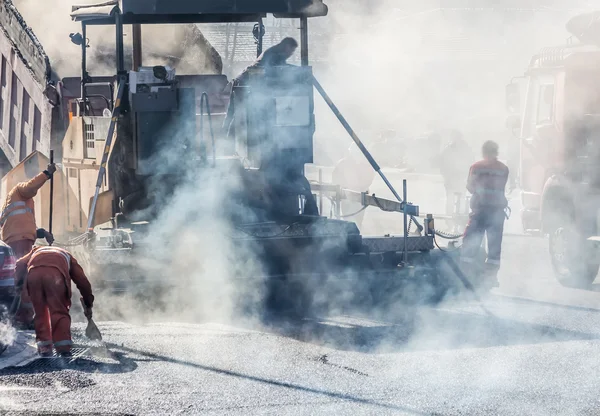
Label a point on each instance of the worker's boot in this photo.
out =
(490, 276)
(45, 351)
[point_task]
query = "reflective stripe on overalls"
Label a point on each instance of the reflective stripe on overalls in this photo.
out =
(54, 250)
(8, 213)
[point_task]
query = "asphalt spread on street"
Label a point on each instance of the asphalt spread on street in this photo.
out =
(536, 354)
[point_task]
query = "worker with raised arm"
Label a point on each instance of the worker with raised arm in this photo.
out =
(487, 183)
(46, 273)
(19, 231)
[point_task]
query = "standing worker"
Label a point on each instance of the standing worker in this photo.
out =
(487, 183)
(19, 231)
(45, 272)
(276, 55)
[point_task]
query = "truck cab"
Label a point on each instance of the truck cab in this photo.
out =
(554, 111)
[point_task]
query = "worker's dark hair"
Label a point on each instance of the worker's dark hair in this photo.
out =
(289, 41)
(490, 148)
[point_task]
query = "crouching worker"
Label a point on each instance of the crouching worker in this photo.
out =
(46, 273)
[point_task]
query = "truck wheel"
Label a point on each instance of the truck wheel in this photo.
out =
(573, 261)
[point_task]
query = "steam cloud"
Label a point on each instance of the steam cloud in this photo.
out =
(175, 45)
(8, 334)
(385, 68)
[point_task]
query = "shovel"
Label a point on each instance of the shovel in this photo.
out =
(51, 194)
(92, 331)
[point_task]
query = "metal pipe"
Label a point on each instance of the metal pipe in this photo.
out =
(227, 34)
(107, 144)
(51, 194)
(137, 46)
(233, 47)
(320, 192)
(304, 41)
(83, 67)
(259, 43)
(119, 43)
(404, 213)
(203, 100)
(360, 145)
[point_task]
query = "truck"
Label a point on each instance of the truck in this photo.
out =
(553, 111)
(133, 139)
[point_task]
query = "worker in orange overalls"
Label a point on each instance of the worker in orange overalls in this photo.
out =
(18, 230)
(46, 273)
(487, 183)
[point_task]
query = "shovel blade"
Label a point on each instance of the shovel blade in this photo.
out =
(92, 331)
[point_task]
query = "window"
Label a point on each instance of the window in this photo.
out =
(37, 126)
(90, 145)
(24, 126)
(540, 104)
(545, 104)
(2, 90)
(14, 111)
(533, 87)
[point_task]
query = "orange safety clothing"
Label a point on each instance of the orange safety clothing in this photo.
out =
(25, 313)
(51, 304)
(487, 183)
(17, 220)
(49, 271)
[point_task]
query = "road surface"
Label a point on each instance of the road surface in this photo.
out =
(532, 357)
(537, 353)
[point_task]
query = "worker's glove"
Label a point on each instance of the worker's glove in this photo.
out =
(87, 310)
(50, 170)
(49, 237)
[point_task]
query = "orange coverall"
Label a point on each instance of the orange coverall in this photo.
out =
(48, 272)
(487, 183)
(18, 229)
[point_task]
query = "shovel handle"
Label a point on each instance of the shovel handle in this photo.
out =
(51, 193)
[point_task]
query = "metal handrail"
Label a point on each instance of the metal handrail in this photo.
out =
(204, 99)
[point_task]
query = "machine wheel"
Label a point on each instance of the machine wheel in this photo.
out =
(573, 261)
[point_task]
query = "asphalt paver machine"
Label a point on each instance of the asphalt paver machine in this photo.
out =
(158, 156)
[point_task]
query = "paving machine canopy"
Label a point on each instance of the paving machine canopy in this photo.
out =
(198, 11)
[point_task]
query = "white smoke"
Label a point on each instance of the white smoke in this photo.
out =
(174, 45)
(8, 334)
